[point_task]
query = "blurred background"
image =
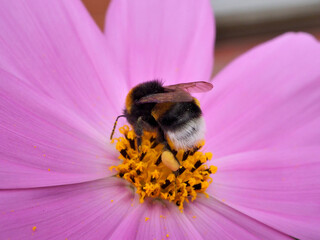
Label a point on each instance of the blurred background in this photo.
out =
(242, 24)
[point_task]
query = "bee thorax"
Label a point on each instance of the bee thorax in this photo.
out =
(189, 134)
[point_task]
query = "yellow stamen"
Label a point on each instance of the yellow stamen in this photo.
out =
(178, 180)
(34, 228)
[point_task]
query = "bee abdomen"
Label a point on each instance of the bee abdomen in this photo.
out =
(189, 134)
(178, 114)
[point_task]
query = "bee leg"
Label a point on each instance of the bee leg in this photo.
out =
(139, 126)
(176, 173)
(139, 141)
(161, 138)
(138, 129)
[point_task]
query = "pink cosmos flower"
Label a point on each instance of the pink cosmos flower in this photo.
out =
(63, 83)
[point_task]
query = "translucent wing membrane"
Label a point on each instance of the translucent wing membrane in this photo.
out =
(176, 96)
(192, 87)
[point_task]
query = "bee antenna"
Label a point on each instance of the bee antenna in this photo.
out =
(114, 126)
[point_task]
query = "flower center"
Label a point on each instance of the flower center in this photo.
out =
(152, 178)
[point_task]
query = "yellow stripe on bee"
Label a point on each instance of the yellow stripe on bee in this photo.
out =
(129, 101)
(196, 101)
(160, 109)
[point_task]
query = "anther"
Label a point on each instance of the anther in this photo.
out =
(166, 184)
(124, 153)
(158, 160)
(142, 155)
(185, 155)
(196, 165)
(197, 186)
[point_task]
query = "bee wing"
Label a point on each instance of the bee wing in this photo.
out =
(175, 96)
(192, 87)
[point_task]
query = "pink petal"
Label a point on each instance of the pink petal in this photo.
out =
(215, 220)
(280, 188)
(57, 48)
(127, 228)
(156, 220)
(269, 97)
(43, 143)
(166, 222)
(202, 219)
(168, 40)
(79, 211)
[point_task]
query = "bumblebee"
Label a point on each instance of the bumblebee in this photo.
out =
(171, 111)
